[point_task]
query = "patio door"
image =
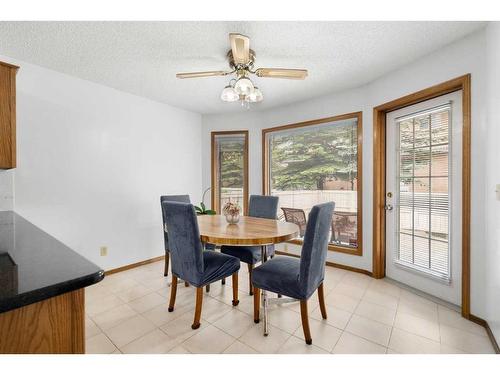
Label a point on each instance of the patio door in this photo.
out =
(423, 196)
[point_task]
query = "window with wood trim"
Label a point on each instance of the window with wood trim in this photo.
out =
(318, 161)
(229, 169)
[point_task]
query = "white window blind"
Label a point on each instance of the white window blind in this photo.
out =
(424, 197)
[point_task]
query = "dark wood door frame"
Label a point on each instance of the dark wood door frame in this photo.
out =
(379, 164)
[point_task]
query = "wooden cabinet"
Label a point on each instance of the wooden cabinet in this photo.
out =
(52, 326)
(7, 115)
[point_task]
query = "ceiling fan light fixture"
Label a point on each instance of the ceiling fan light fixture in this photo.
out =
(256, 96)
(229, 94)
(244, 86)
(241, 59)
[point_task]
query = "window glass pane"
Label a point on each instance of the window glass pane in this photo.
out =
(439, 256)
(406, 134)
(406, 248)
(422, 161)
(439, 208)
(439, 127)
(421, 251)
(423, 205)
(406, 162)
(439, 162)
(422, 131)
(317, 164)
(230, 154)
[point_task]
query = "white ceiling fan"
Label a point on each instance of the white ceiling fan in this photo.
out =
(241, 60)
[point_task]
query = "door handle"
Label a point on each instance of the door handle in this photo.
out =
(388, 207)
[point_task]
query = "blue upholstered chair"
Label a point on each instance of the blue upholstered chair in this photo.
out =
(174, 198)
(265, 207)
(299, 278)
(170, 198)
(189, 261)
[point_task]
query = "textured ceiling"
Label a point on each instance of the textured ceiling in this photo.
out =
(143, 57)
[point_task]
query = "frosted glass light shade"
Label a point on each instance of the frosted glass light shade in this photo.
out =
(256, 96)
(243, 86)
(229, 94)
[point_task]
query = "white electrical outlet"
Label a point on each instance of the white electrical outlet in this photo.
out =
(104, 251)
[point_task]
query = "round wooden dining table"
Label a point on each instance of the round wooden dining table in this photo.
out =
(249, 231)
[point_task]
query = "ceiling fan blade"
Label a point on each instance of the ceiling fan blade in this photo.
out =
(240, 46)
(212, 73)
(281, 73)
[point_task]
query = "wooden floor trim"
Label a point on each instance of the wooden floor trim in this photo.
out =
(134, 265)
(332, 264)
(161, 257)
(486, 326)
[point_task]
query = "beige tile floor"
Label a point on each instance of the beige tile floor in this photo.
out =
(127, 313)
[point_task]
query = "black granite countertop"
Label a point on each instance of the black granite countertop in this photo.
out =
(35, 266)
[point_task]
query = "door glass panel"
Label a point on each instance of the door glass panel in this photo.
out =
(439, 161)
(422, 161)
(406, 134)
(423, 196)
(406, 163)
(439, 125)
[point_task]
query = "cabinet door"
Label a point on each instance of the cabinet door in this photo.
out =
(7, 117)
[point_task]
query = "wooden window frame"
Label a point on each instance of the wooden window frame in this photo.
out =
(214, 182)
(265, 171)
(379, 164)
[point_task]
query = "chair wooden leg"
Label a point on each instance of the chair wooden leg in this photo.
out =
(236, 301)
(173, 293)
(223, 281)
(256, 305)
(197, 311)
(186, 284)
(305, 321)
(250, 288)
(207, 288)
(321, 297)
(167, 261)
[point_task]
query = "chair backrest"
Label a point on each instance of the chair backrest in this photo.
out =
(170, 198)
(315, 247)
(184, 241)
(263, 206)
(296, 216)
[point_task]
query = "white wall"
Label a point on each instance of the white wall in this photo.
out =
(492, 259)
(464, 56)
(93, 162)
(6, 190)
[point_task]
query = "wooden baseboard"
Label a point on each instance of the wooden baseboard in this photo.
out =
(161, 257)
(485, 324)
(331, 264)
(134, 265)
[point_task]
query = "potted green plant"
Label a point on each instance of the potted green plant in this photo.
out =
(202, 209)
